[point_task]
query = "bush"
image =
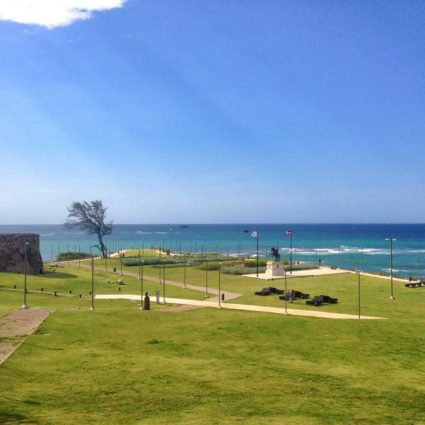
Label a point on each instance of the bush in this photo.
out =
(173, 261)
(303, 267)
(242, 270)
(253, 262)
(208, 266)
(67, 256)
(150, 261)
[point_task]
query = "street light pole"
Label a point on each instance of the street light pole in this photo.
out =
(121, 254)
(286, 290)
(219, 286)
(25, 305)
(92, 278)
(163, 279)
(206, 278)
(290, 256)
(257, 250)
(358, 283)
(141, 282)
(391, 266)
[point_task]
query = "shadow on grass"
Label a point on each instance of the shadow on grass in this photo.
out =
(7, 417)
(59, 275)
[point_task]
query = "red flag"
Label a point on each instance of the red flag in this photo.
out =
(288, 233)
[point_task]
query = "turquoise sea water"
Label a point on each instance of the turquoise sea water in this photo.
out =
(352, 246)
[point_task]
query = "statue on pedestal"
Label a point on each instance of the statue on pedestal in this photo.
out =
(274, 268)
(274, 252)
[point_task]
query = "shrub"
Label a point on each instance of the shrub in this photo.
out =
(208, 266)
(150, 261)
(242, 270)
(67, 256)
(253, 262)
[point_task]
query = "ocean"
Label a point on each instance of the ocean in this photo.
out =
(351, 246)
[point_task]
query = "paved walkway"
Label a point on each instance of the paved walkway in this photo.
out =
(16, 325)
(321, 271)
(245, 307)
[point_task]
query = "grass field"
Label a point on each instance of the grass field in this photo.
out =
(120, 365)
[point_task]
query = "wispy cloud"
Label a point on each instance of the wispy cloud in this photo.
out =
(53, 13)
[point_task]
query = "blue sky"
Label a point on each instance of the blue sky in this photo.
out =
(214, 111)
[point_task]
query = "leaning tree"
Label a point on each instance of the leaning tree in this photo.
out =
(90, 217)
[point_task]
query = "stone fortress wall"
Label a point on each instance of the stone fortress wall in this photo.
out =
(12, 253)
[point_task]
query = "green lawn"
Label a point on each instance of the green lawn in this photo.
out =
(66, 279)
(121, 365)
(374, 291)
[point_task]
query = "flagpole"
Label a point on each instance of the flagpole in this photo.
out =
(289, 233)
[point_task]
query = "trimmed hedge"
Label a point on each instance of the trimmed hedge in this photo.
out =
(208, 266)
(67, 256)
(242, 270)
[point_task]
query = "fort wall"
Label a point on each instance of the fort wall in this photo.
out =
(12, 253)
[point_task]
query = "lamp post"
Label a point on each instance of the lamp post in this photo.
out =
(159, 265)
(25, 305)
(219, 286)
(121, 254)
(163, 280)
(206, 278)
(184, 274)
(92, 278)
(391, 240)
(286, 290)
(256, 235)
(358, 285)
(141, 282)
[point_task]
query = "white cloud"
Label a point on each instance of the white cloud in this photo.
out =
(53, 13)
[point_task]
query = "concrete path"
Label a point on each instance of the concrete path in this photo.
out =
(16, 325)
(245, 307)
(321, 271)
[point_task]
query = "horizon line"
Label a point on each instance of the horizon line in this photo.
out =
(232, 223)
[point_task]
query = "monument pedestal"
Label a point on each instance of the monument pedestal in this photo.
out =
(274, 269)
